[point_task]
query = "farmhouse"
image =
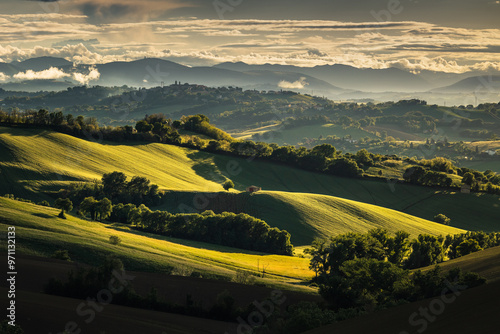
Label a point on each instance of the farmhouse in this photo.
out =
(253, 189)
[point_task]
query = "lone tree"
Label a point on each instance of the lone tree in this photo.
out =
(65, 205)
(228, 185)
(442, 219)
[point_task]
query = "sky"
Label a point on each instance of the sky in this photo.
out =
(442, 35)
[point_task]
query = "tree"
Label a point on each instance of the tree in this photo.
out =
(104, 208)
(65, 205)
(228, 185)
(468, 246)
(426, 250)
(414, 175)
(364, 158)
(325, 150)
(345, 167)
(89, 206)
(442, 219)
(469, 179)
(114, 183)
(143, 127)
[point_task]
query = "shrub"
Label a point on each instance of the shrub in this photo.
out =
(442, 219)
(228, 185)
(115, 240)
(61, 254)
(244, 277)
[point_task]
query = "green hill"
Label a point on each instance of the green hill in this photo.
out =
(40, 232)
(37, 161)
(486, 263)
(308, 216)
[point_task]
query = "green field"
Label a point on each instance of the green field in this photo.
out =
(296, 135)
(40, 232)
(36, 161)
(307, 216)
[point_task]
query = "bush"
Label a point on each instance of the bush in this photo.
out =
(442, 219)
(61, 254)
(43, 203)
(228, 185)
(115, 240)
(244, 277)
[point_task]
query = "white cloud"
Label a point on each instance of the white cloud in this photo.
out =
(84, 79)
(51, 73)
(54, 73)
(299, 84)
(4, 77)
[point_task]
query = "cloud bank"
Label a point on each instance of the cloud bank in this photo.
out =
(53, 73)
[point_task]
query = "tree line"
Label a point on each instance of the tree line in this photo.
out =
(355, 270)
(103, 200)
(324, 158)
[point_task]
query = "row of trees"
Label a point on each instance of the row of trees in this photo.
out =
(462, 244)
(355, 270)
(437, 171)
(227, 229)
(117, 188)
(158, 129)
(322, 158)
(328, 255)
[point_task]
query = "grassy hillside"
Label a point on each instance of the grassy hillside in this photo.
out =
(36, 160)
(40, 232)
(308, 216)
(486, 263)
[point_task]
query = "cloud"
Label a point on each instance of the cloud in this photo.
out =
(4, 77)
(54, 73)
(84, 79)
(50, 74)
(105, 11)
(88, 43)
(299, 84)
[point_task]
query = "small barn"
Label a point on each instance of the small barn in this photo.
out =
(466, 189)
(253, 189)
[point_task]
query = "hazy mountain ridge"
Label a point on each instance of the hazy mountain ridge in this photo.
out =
(337, 81)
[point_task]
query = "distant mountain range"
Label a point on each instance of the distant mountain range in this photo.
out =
(369, 80)
(478, 84)
(334, 81)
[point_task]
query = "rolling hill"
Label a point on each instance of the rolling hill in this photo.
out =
(308, 216)
(306, 204)
(40, 232)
